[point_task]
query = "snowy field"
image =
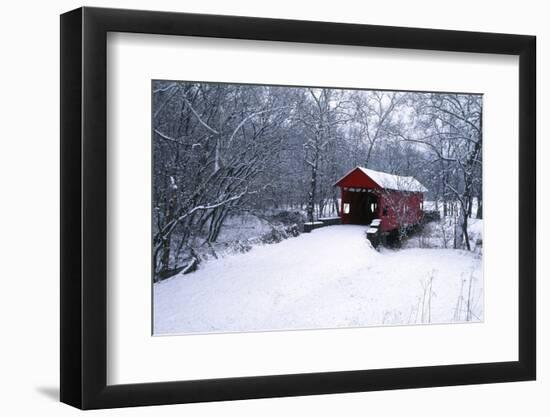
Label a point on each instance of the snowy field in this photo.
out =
(329, 278)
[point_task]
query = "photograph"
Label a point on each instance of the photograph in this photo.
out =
(296, 207)
(269, 209)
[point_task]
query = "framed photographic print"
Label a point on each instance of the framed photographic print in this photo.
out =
(258, 208)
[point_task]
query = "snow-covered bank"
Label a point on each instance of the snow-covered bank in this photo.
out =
(326, 279)
(445, 233)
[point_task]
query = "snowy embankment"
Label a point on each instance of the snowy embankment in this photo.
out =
(326, 279)
(445, 233)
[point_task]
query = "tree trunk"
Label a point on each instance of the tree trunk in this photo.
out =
(479, 213)
(312, 188)
(465, 229)
(165, 255)
(336, 205)
(167, 240)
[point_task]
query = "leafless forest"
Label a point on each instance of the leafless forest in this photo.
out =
(228, 150)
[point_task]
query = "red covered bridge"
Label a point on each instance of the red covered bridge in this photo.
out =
(368, 194)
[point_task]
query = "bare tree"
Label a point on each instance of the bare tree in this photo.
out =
(449, 127)
(320, 112)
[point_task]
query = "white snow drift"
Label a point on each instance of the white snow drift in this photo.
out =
(329, 278)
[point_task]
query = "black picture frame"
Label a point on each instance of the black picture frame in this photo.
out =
(84, 207)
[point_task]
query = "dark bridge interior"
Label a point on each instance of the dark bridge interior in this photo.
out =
(363, 207)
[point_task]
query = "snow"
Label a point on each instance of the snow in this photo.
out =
(394, 182)
(326, 279)
(441, 234)
(475, 229)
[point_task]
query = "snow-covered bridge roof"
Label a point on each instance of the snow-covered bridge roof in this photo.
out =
(390, 181)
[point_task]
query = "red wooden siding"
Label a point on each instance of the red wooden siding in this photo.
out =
(403, 209)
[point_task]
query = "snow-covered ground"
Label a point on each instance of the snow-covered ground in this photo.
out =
(442, 234)
(329, 278)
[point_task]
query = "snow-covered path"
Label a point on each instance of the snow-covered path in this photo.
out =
(325, 279)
